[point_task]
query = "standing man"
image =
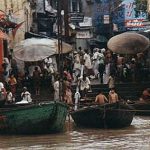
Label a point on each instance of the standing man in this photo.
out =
(87, 63)
(36, 80)
(56, 90)
(95, 59)
(77, 65)
(111, 82)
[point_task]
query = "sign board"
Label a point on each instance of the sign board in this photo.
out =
(130, 15)
(134, 10)
(87, 22)
(76, 17)
(106, 19)
(134, 23)
(84, 34)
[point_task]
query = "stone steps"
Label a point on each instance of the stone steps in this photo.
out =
(130, 91)
(126, 91)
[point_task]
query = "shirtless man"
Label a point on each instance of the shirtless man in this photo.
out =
(101, 98)
(145, 95)
(113, 96)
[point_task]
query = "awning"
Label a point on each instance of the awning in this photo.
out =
(34, 35)
(5, 23)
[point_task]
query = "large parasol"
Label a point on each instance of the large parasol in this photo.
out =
(128, 43)
(66, 48)
(35, 49)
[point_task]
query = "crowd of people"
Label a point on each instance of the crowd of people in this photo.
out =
(79, 67)
(102, 63)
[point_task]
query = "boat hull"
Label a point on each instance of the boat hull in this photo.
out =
(100, 117)
(141, 109)
(33, 119)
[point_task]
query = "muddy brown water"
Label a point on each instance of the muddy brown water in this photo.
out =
(135, 137)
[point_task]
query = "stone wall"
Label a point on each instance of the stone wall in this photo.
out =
(19, 11)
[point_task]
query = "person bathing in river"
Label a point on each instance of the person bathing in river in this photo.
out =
(101, 98)
(145, 95)
(113, 96)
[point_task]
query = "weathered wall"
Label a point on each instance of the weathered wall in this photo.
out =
(148, 5)
(20, 11)
(87, 8)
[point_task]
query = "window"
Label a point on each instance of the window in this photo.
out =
(75, 5)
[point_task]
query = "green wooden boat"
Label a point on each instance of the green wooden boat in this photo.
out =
(33, 118)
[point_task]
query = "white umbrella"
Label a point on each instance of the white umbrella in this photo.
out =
(35, 49)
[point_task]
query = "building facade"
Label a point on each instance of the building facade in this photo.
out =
(148, 6)
(18, 13)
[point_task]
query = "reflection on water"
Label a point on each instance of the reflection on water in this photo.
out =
(132, 138)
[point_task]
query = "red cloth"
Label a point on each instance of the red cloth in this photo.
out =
(16, 28)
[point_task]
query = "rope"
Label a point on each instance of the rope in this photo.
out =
(104, 107)
(104, 115)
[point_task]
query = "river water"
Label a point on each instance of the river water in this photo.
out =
(135, 137)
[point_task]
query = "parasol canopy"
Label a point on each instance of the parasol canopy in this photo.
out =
(128, 43)
(34, 49)
(66, 48)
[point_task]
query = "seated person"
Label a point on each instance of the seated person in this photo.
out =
(113, 96)
(9, 97)
(145, 95)
(2, 92)
(26, 97)
(101, 98)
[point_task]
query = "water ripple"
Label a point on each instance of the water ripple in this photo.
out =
(135, 137)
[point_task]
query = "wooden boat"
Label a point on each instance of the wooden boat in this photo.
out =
(2, 102)
(141, 108)
(2, 99)
(33, 118)
(115, 115)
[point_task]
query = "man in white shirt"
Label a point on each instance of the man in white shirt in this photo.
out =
(56, 90)
(87, 60)
(84, 85)
(26, 97)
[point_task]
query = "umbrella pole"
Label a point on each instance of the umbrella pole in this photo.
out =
(60, 58)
